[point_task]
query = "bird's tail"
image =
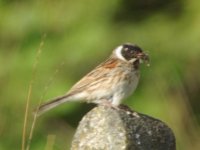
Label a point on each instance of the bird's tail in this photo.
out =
(51, 104)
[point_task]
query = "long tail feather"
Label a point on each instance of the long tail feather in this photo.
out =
(53, 103)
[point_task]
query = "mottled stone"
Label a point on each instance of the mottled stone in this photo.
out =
(107, 128)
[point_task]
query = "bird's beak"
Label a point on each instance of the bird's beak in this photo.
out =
(143, 57)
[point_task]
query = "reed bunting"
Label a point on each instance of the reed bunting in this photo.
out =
(109, 83)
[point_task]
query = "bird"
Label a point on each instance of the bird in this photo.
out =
(109, 83)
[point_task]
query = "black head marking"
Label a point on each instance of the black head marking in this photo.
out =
(130, 51)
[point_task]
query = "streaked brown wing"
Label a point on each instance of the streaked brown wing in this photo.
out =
(99, 74)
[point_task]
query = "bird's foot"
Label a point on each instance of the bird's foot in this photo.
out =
(107, 103)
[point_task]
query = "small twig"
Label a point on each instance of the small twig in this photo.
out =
(50, 142)
(30, 92)
(40, 101)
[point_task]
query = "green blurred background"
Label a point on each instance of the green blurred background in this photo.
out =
(78, 36)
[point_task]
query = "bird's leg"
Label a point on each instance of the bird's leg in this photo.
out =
(107, 103)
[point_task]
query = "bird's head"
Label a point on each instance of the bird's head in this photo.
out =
(131, 53)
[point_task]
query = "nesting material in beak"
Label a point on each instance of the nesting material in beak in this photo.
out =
(143, 57)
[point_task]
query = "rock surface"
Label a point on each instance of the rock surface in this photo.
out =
(107, 128)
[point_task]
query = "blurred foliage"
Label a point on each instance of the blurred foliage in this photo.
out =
(80, 35)
(133, 10)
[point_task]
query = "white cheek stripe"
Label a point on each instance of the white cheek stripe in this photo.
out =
(118, 51)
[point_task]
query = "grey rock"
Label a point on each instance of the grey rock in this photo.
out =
(107, 128)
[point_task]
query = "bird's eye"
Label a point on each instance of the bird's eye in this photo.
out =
(131, 51)
(126, 49)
